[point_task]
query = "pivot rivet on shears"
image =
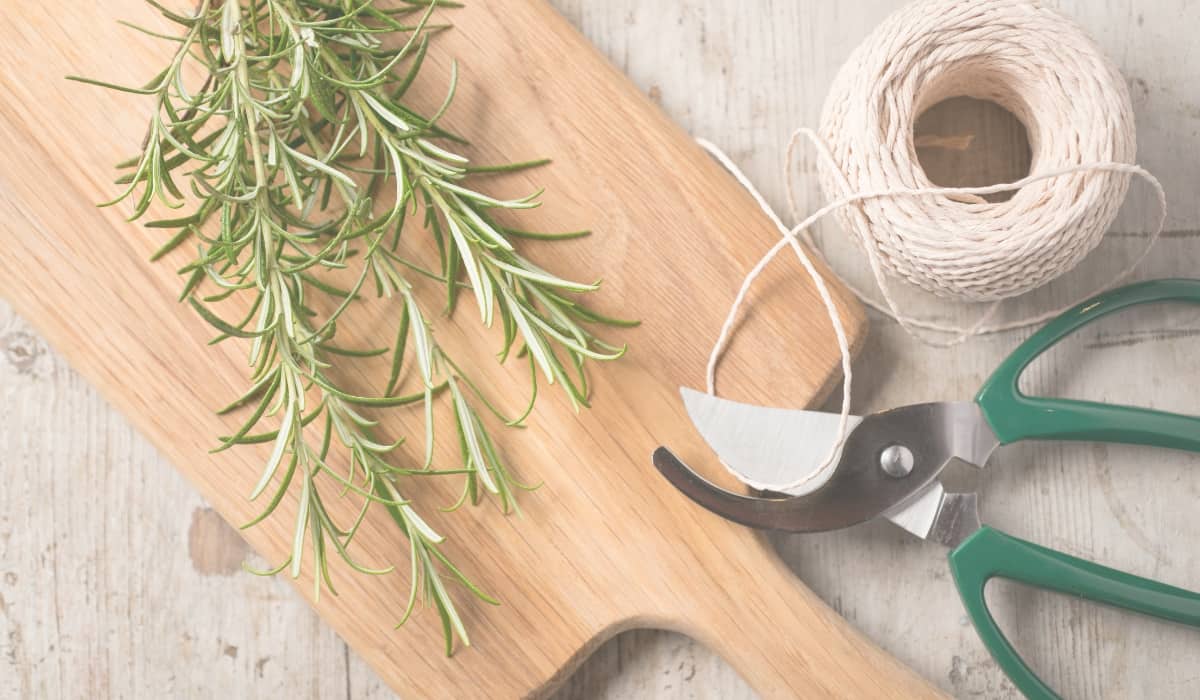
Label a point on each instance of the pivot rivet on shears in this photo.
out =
(896, 461)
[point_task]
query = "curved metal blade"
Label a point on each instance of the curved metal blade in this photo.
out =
(786, 513)
(766, 447)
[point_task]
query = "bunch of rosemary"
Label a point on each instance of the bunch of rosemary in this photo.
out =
(301, 155)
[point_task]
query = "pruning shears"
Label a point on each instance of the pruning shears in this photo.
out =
(891, 461)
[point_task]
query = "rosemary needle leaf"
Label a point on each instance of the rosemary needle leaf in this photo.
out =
(172, 243)
(347, 352)
(220, 324)
(566, 236)
(506, 167)
(112, 86)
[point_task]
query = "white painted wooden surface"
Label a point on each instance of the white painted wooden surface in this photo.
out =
(116, 581)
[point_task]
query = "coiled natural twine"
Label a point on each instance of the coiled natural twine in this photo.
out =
(1030, 60)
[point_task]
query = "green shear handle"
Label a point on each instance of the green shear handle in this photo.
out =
(1015, 416)
(988, 553)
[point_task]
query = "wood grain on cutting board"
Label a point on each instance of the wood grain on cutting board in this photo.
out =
(604, 544)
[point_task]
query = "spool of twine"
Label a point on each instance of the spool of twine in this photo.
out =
(949, 241)
(1031, 61)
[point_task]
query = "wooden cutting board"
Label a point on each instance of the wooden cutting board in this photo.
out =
(605, 544)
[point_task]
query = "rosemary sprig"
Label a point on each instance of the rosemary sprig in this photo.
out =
(302, 158)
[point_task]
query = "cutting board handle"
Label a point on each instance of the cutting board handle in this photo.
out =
(785, 641)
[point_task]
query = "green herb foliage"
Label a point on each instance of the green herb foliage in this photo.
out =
(300, 157)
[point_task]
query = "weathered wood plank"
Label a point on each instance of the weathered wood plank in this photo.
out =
(116, 580)
(107, 587)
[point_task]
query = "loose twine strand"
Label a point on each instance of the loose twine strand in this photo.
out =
(927, 235)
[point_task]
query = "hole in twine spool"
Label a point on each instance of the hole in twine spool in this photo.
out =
(965, 142)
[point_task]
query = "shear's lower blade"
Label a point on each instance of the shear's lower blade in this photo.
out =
(766, 447)
(746, 510)
(812, 513)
